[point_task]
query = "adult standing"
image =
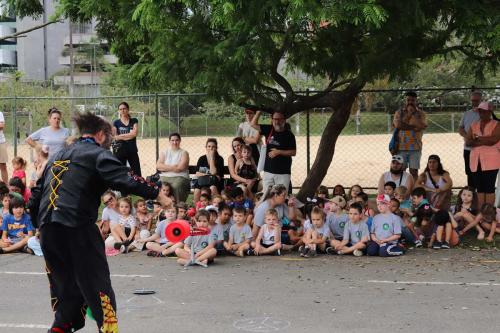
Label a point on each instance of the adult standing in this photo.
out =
(484, 138)
(173, 164)
(281, 146)
(125, 134)
(4, 157)
(249, 134)
(53, 136)
(65, 207)
(209, 170)
(396, 174)
(437, 183)
(411, 122)
(468, 118)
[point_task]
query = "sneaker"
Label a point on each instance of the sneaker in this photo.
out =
(118, 245)
(357, 253)
(340, 252)
(445, 245)
(437, 245)
(250, 252)
(277, 253)
(302, 250)
(312, 253)
(418, 243)
(330, 250)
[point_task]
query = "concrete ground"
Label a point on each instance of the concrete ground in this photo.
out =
(424, 291)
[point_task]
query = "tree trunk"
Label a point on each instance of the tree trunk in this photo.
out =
(326, 149)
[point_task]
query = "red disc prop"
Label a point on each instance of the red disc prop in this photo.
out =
(177, 231)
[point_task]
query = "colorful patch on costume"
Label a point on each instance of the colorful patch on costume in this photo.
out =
(110, 322)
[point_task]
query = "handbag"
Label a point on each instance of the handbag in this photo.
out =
(263, 153)
(207, 181)
(394, 143)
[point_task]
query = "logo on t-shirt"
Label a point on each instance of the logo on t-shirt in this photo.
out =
(341, 225)
(385, 226)
(358, 234)
(204, 244)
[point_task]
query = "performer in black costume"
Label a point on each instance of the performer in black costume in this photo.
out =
(65, 205)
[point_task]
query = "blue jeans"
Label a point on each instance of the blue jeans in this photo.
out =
(386, 250)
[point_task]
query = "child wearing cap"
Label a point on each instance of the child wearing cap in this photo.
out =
(385, 231)
(337, 218)
(240, 234)
(356, 234)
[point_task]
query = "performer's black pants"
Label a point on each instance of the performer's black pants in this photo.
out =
(78, 275)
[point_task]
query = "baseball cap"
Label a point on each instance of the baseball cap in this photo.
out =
(484, 106)
(212, 207)
(398, 158)
(383, 198)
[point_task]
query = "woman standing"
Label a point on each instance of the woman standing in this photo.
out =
(53, 136)
(210, 170)
(437, 183)
(125, 133)
(484, 138)
(173, 164)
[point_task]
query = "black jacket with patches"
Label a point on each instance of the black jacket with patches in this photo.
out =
(69, 192)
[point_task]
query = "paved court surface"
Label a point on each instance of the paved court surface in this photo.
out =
(424, 291)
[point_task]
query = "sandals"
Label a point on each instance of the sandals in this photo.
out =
(26, 249)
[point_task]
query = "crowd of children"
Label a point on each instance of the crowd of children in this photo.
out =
(242, 223)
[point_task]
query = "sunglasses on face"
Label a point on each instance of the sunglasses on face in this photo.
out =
(107, 202)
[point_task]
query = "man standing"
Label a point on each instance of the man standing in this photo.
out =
(65, 205)
(411, 122)
(396, 174)
(281, 147)
(468, 118)
(3, 152)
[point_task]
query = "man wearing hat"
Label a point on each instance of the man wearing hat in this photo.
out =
(411, 122)
(468, 118)
(396, 174)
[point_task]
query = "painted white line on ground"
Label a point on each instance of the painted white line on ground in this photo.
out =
(440, 283)
(112, 275)
(13, 325)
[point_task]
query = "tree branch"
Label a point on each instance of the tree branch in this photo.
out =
(274, 67)
(20, 34)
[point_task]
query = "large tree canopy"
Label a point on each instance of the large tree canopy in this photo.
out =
(232, 49)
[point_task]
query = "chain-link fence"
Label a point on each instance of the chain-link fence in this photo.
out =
(361, 154)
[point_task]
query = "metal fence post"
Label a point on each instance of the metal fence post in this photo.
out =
(14, 120)
(453, 122)
(389, 123)
(157, 126)
(308, 138)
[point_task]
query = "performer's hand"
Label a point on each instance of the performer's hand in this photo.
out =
(164, 200)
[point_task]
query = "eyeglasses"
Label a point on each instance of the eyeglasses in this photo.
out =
(107, 202)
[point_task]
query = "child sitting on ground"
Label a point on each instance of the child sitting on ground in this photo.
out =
(385, 231)
(239, 200)
(203, 246)
(445, 234)
(420, 214)
(222, 226)
(337, 218)
(16, 229)
(157, 243)
(486, 219)
(182, 209)
(353, 193)
(356, 234)
(143, 218)
(317, 237)
(240, 234)
(465, 211)
(157, 215)
(124, 232)
(268, 239)
(408, 234)
(204, 201)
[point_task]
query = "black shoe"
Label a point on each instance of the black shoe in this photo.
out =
(277, 253)
(250, 252)
(437, 245)
(330, 250)
(128, 242)
(118, 245)
(312, 253)
(445, 245)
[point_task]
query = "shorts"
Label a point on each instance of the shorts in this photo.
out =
(265, 245)
(411, 158)
(4, 157)
(485, 180)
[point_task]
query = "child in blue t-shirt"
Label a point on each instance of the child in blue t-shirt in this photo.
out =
(17, 228)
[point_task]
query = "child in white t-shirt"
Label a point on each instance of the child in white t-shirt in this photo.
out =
(317, 236)
(269, 237)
